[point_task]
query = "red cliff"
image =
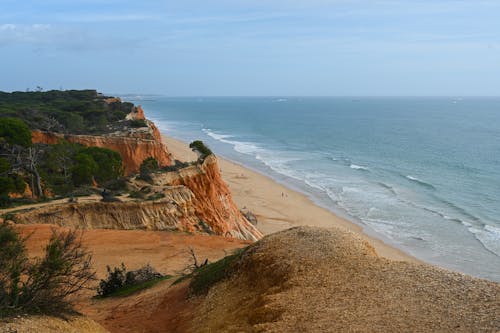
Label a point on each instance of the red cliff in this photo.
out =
(134, 146)
(212, 200)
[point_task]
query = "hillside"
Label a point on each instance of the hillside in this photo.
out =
(316, 280)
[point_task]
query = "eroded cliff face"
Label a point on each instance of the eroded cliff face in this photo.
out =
(134, 145)
(212, 199)
(205, 209)
(175, 211)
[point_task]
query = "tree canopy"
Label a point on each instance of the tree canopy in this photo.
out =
(15, 132)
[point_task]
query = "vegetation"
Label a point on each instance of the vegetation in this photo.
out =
(16, 156)
(119, 282)
(14, 132)
(42, 285)
(199, 146)
(70, 111)
(148, 166)
(138, 123)
(207, 275)
(67, 166)
(60, 168)
(177, 166)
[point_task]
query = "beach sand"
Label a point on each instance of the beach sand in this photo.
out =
(278, 207)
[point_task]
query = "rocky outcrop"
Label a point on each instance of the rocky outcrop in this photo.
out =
(136, 114)
(212, 199)
(134, 145)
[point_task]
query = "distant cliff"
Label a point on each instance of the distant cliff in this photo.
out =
(133, 144)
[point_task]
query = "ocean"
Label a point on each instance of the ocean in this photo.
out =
(422, 174)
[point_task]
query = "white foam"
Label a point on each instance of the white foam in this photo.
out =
(489, 236)
(358, 167)
(243, 147)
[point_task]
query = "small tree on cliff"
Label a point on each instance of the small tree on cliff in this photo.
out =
(201, 149)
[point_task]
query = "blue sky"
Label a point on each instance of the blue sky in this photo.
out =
(252, 47)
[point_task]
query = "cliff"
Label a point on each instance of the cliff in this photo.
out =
(179, 209)
(173, 212)
(133, 144)
(212, 199)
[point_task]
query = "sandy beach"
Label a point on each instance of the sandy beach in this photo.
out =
(278, 207)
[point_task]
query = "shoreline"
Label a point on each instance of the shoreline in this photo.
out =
(278, 207)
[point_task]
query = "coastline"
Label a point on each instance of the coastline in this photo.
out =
(278, 207)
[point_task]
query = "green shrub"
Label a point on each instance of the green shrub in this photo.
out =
(114, 282)
(119, 282)
(138, 123)
(149, 165)
(42, 285)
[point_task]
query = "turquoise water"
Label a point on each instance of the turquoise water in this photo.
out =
(420, 173)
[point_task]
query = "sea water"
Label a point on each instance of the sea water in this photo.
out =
(423, 174)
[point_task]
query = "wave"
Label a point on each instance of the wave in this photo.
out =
(420, 182)
(248, 148)
(489, 237)
(359, 167)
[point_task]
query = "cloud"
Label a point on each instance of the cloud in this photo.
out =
(43, 37)
(16, 33)
(97, 18)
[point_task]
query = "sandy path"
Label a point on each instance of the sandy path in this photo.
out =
(274, 211)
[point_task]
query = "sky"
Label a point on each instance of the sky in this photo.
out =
(253, 47)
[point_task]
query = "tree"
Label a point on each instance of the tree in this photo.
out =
(200, 148)
(84, 169)
(14, 132)
(44, 284)
(109, 163)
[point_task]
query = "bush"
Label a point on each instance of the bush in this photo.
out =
(138, 123)
(114, 282)
(148, 166)
(177, 166)
(120, 282)
(42, 285)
